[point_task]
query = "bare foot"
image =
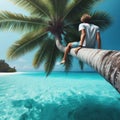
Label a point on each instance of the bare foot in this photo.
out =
(62, 62)
(77, 49)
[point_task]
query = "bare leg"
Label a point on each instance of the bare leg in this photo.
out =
(65, 54)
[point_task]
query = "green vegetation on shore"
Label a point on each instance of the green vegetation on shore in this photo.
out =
(4, 67)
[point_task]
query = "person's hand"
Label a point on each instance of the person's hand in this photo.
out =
(77, 49)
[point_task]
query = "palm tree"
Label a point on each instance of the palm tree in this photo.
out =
(105, 62)
(48, 21)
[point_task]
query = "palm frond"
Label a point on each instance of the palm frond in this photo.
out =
(33, 6)
(40, 55)
(70, 6)
(102, 19)
(26, 44)
(48, 53)
(52, 55)
(68, 63)
(43, 7)
(26, 4)
(19, 22)
(81, 64)
(78, 7)
(58, 8)
(71, 34)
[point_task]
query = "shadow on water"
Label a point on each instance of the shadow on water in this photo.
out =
(86, 108)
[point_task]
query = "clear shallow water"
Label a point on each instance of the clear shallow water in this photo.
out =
(73, 96)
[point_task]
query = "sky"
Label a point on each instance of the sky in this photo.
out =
(110, 37)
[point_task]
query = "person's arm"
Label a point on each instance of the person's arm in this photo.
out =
(98, 38)
(82, 37)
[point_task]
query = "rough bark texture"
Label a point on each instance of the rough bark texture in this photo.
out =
(105, 62)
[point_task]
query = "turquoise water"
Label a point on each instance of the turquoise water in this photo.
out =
(73, 96)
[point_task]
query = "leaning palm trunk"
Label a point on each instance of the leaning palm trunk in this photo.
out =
(105, 62)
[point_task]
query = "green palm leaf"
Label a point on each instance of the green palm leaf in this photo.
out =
(81, 64)
(48, 53)
(71, 34)
(40, 55)
(58, 8)
(102, 19)
(51, 56)
(77, 7)
(26, 4)
(20, 22)
(26, 44)
(68, 63)
(70, 6)
(37, 7)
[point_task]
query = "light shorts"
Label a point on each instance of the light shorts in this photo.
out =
(75, 44)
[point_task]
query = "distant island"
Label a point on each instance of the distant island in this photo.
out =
(4, 67)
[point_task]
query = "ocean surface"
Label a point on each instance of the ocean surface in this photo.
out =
(61, 96)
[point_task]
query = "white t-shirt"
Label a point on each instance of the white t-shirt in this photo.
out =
(91, 31)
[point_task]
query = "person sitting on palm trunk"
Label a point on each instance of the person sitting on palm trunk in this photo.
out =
(89, 35)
